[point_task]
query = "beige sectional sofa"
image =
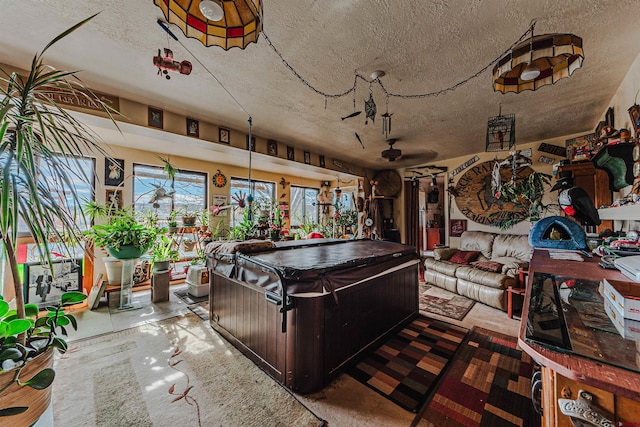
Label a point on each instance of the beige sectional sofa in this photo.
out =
(494, 261)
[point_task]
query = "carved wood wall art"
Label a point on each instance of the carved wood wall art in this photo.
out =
(476, 200)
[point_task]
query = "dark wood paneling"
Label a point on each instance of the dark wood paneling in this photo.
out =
(321, 336)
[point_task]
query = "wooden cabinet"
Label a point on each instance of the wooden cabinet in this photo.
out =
(595, 182)
(615, 390)
(556, 386)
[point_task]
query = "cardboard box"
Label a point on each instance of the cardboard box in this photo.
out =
(627, 328)
(624, 296)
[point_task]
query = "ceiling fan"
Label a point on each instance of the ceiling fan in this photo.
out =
(391, 153)
(395, 155)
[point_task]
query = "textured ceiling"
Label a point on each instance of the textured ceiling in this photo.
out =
(423, 46)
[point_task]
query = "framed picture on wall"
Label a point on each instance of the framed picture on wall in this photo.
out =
(113, 199)
(457, 227)
(43, 286)
(113, 172)
(224, 135)
(272, 147)
(155, 117)
(193, 127)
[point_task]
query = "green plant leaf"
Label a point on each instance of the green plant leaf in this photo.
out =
(42, 379)
(60, 344)
(10, 353)
(4, 308)
(16, 410)
(31, 310)
(71, 298)
(18, 326)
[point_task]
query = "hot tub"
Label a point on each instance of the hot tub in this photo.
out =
(302, 311)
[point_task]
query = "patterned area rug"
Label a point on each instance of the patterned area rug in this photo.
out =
(405, 367)
(176, 372)
(440, 301)
(487, 384)
(201, 310)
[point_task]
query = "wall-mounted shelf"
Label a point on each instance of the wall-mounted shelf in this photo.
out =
(625, 212)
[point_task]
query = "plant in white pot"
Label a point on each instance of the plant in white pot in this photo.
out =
(38, 139)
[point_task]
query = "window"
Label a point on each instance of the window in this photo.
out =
(154, 192)
(304, 205)
(262, 190)
(80, 171)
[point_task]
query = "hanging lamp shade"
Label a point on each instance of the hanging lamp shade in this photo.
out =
(240, 25)
(555, 56)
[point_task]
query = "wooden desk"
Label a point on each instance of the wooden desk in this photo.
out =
(616, 390)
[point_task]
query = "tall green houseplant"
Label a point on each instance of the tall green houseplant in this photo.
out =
(38, 136)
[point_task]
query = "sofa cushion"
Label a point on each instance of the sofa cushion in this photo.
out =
(464, 257)
(477, 241)
(512, 245)
(444, 267)
(510, 265)
(485, 278)
(492, 266)
(444, 253)
(486, 295)
(441, 280)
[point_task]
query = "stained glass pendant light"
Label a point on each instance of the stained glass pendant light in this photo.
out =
(240, 24)
(537, 62)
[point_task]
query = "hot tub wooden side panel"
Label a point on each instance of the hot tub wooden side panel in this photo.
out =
(242, 315)
(321, 337)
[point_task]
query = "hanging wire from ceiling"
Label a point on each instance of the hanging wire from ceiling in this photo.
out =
(388, 93)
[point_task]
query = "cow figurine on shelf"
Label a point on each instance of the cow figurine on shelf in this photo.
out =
(166, 63)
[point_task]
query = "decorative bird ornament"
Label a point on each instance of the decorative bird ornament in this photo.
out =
(575, 201)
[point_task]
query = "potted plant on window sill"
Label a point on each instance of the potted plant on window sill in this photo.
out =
(163, 253)
(122, 235)
(35, 131)
(172, 223)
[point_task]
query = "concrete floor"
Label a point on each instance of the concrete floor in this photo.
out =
(345, 402)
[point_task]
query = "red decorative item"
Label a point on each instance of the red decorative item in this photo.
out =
(166, 63)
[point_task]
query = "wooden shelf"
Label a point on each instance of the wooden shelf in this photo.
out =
(631, 212)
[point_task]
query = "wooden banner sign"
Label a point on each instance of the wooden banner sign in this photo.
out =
(74, 101)
(463, 166)
(556, 150)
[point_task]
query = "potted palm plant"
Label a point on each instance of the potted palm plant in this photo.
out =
(38, 138)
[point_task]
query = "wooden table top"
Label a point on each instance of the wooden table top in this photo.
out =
(622, 382)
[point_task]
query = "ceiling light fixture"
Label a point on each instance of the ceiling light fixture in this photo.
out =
(231, 23)
(211, 10)
(540, 61)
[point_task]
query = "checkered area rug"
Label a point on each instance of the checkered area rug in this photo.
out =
(487, 384)
(405, 367)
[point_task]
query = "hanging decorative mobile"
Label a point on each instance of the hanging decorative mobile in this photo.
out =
(370, 109)
(386, 121)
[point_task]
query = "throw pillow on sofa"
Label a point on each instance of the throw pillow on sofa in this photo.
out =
(464, 257)
(492, 266)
